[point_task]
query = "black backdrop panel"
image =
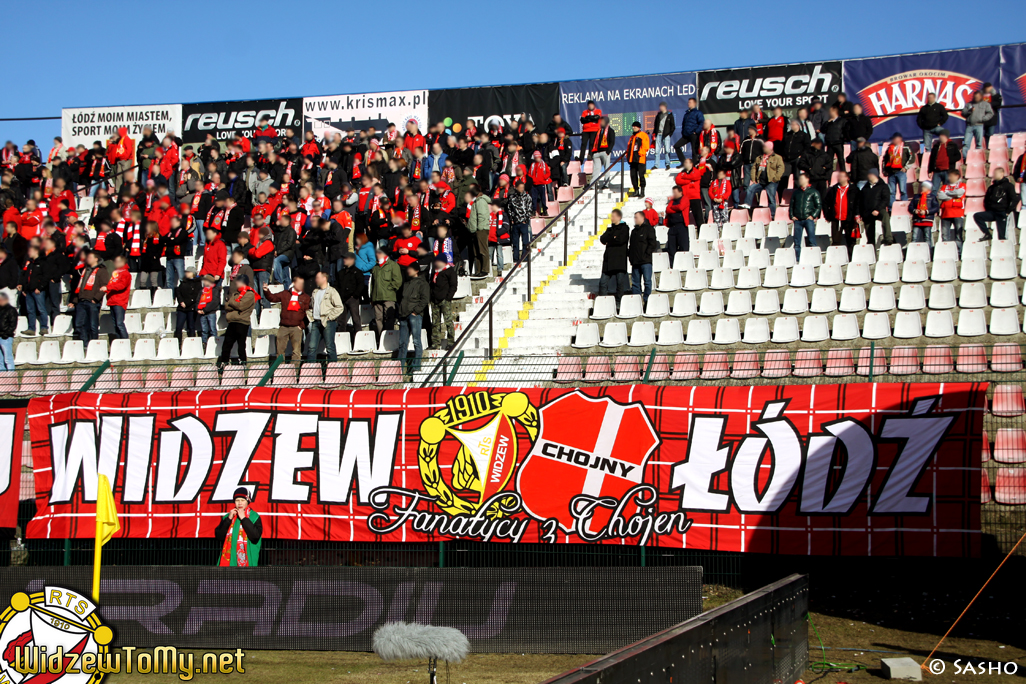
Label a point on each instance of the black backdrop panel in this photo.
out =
(539, 100)
(501, 610)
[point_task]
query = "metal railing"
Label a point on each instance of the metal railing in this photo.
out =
(487, 309)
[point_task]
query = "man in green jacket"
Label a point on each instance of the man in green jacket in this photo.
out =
(416, 295)
(477, 224)
(386, 279)
(805, 208)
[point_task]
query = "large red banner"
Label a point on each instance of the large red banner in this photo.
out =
(12, 431)
(857, 469)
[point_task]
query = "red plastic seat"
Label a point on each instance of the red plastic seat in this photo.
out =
(985, 448)
(596, 369)
(1008, 401)
(714, 366)
(973, 205)
(1010, 445)
(904, 361)
(1010, 486)
(985, 495)
(937, 360)
(364, 373)
(776, 364)
(746, 365)
(284, 375)
(310, 375)
(975, 187)
(1006, 358)
(879, 359)
(56, 381)
(565, 194)
(390, 372)
(972, 358)
(156, 380)
(685, 366)
(336, 373)
(660, 369)
(761, 215)
(132, 380)
(977, 170)
(255, 373)
(183, 378)
(625, 369)
(739, 216)
(569, 369)
(840, 363)
(808, 363)
(207, 377)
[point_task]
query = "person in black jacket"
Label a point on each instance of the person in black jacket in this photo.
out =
(352, 288)
(443, 289)
(57, 265)
(999, 200)
(643, 242)
(10, 275)
(875, 197)
(862, 159)
(859, 125)
(994, 98)
(817, 164)
(944, 157)
(8, 326)
(34, 278)
(835, 134)
(149, 263)
(841, 208)
(614, 260)
(931, 119)
(177, 245)
(187, 294)
(108, 244)
(794, 144)
(284, 250)
(662, 129)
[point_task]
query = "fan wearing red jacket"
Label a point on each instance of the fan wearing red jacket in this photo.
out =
(689, 180)
(413, 139)
(651, 215)
(590, 120)
(118, 288)
(541, 190)
(31, 224)
(121, 155)
(60, 193)
(719, 191)
(215, 256)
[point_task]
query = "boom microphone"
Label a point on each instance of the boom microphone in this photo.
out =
(409, 641)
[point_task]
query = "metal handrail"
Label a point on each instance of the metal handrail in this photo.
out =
(526, 255)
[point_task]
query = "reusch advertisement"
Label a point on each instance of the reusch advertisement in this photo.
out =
(892, 89)
(332, 114)
(86, 125)
(789, 86)
(225, 119)
(722, 468)
(454, 106)
(626, 100)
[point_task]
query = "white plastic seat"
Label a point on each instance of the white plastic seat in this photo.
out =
(708, 261)
(669, 281)
(972, 269)
(912, 297)
(886, 272)
(96, 351)
(972, 296)
(939, 324)
(62, 326)
(684, 304)
(1003, 295)
(876, 326)
(709, 232)
(73, 352)
(943, 270)
(795, 301)
(364, 342)
(971, 323)
(727, 331)
(154, 323)
(270, 319)
(733, 259)
(837, 254)
(974, 250)
(388, 342)
(192, 348)
(776, 276)
(784, 256)
(785, 330)
(464, 288)
(121, 350)
(830, 274)
(1004, 322)
(49, 352)
(133, 323)
(671, 333)
(696, 280)
(168, 350)
(699, 332)
(163, 298)
(815, 329)
(759, 258)
(755, 230)
(343, 343)
(1002, 249)
(25, 352)
(631, 306)
(945, 250)
(865, 254)
(1003, 269)
(767, 302)
(587, 336)
(642, 334)
(824, 300)
(907, 325)
(140, 299)
(857, 274)
(757, 331)
(683, 262)
(803, 275)
(890, 253)
(745, 246)
(942, 296)
(722, 278)
(853, 300)
(731, 231)
(917, 251)
(658, 305)
(811, 256)
(845, 327)
(605, 307)
(881, 298)
(711, 304)
(739, 303)
(615, 335)
(914, 272)
(145, 350)
(749, 278)
(660, 262)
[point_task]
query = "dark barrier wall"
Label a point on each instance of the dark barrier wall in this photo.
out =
(456, 105)
(761, 638)
(501, 610)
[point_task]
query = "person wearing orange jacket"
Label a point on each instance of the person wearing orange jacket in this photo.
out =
(590, 120)
(121, 155)
(637, 156)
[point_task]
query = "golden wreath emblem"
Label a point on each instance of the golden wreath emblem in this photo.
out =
(487, 456)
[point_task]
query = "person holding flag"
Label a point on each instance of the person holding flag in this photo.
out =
(107, 525)
(242, 531)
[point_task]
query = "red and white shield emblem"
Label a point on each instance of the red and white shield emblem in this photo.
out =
(586, 445)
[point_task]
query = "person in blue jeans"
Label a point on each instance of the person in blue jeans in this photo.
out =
(663, 128)
(641, 244)
(805, 207)
(416, 297)
(206, 307)
(8, 326)
(33, 285)
(87, 296)
(896, 159)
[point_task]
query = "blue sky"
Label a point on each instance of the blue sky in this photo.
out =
(190, 51)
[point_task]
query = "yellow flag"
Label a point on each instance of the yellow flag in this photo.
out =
(107, 522)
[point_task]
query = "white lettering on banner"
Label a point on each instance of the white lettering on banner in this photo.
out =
(287, 458)
(906, 92)
(705, 458)
(201, 457)
(7, 422)
(648, 92)
(370, 457)
(75, 458)
(281, 117)
(84, 125)
(137, 461)
(332, 114)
